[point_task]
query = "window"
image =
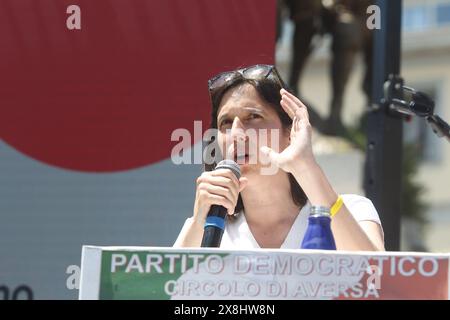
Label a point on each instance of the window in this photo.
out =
(416, 18)
(443, 14)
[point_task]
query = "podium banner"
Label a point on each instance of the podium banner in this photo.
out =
(161, 273)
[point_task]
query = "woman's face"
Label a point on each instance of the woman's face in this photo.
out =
(245, 123)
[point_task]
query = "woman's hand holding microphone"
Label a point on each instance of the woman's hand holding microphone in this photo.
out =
(218, 187)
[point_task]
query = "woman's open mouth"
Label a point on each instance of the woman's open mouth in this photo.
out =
(241, 159)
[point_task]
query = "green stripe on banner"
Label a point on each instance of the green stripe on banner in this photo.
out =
(144, 275)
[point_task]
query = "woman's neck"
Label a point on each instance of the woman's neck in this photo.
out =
(268, 201)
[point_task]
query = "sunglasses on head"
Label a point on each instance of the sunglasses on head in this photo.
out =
(256, 72)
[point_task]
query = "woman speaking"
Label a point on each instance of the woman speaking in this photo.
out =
(271, 210)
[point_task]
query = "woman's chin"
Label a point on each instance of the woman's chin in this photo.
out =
(249, 168)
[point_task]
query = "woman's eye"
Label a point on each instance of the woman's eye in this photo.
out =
(225, 123)
(254, 116)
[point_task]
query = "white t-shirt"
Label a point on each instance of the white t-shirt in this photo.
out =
(237, 233)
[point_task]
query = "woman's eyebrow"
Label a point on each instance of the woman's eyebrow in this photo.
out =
(253, 109)
(224, 115)
(249, 109)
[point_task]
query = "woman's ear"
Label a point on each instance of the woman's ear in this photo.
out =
(287, 132)
(286, 136)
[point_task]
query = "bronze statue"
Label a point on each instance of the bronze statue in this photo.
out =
(345, 21)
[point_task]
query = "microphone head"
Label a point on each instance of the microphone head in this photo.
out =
(229, 164)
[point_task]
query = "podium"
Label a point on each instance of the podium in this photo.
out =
(162, 273)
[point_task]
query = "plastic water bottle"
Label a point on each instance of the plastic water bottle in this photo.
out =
(318, 234)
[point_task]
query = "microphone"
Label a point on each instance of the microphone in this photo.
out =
(215, 221)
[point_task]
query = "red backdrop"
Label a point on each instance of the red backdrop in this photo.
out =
(107, 97)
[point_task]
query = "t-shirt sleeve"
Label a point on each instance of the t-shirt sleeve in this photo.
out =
(361, 208)
(182, 232)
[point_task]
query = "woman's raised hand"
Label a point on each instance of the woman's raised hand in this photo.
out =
(300, 149)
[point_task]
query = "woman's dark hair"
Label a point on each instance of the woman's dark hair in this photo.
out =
(269, 91)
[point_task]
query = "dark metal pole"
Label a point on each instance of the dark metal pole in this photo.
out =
(383, 167)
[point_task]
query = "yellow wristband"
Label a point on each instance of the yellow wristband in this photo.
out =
(336, 206)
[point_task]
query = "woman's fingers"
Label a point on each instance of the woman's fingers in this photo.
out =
(293, 106)
(229, 193)
(221, 201)
(271, 154)
(229, 186)
(220, 187)
(243, 182)
(295, 125)
(298, 110)
(225, 173)
(221, 182)
(294, 98)
(287, 108)
(216, 180)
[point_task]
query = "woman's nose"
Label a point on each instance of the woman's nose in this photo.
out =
(238, 130)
